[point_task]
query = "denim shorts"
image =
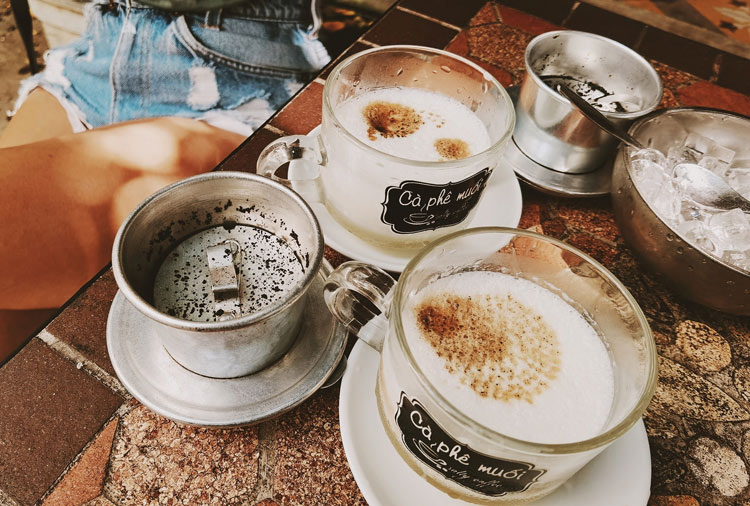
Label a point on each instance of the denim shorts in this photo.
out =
(231, 67)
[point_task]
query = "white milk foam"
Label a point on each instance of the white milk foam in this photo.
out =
(443, 118)
(533, 369)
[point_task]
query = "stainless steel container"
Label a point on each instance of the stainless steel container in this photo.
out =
(692, 272)
(549, 129)
(225, 201)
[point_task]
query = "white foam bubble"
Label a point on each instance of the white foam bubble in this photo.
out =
(443, 118)
(569, 401)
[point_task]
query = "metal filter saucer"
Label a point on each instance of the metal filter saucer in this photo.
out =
(148, 372)
(590, 184)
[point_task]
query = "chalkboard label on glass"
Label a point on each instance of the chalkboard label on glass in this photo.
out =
(429, 443)
(414, 206)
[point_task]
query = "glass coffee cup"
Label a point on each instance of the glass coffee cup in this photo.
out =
(508, 361)
(408, 141)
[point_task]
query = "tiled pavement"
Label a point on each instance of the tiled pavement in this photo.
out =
(70, 434)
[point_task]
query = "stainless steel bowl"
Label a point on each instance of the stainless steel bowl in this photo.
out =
(693, 273)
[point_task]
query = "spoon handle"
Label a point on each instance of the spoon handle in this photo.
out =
(594, 115)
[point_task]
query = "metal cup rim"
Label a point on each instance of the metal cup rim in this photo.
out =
(151, 312)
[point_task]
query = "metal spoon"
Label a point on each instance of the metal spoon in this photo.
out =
(594, 115)
(707, 188)
(698, 183)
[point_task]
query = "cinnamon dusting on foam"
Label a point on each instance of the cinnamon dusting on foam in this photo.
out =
(498, 346)
(452, 149)
(391, 120)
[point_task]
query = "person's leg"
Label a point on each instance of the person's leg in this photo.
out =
(40, 117)
(63, 199)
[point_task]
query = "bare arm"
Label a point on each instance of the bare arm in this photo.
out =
(62, 199)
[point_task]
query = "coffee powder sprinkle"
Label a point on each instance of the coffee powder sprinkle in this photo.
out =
(499, 347)
(391, 120)
(452, 149)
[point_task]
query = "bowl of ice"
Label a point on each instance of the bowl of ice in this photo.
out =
(703, 252)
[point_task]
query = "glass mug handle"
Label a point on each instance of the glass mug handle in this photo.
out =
(358, 295)
(304, 178)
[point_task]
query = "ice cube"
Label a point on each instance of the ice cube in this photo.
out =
(715, 165)
(695, 147)
(739, 259)
(739, 179)
(708, 147)
(695, 233)
(650, 154)
(643, 168)
(681, 177)
(650, 179)
(730, 230)
(682, 154)
(666, 201)
(691, 212)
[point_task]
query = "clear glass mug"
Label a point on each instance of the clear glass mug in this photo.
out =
(384, 199)
(445, 443)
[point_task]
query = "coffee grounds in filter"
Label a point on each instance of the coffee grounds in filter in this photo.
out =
(498, 346)
(269, 268)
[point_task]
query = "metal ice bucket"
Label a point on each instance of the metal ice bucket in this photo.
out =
(692, 272)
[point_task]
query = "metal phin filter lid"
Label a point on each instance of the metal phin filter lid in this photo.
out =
(225, 272)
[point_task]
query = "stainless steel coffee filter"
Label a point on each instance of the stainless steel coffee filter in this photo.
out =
(213, 243)
(549, 129)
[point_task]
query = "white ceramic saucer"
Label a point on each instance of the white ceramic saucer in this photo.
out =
(150, 374)
(386, 480)
(500, 207)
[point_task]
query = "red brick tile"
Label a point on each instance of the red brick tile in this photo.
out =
(594, 215)
(455, 13)
(553, 226)
(100, 501)
(705, 94)
(601, 251)
(459, 45)
(50, 410)
(303, 113)
(530, 216)
(83, 324)
(588, 18)
(672, 500)
(555, 11)
(311, 467)
(526, 22)
(671, 77)
(668, 99)
(85, 479)
(246, 157)
(334, 257)
(400, 27)
(487, 14)
(503, 76)
(156, 461)
(501, 45)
